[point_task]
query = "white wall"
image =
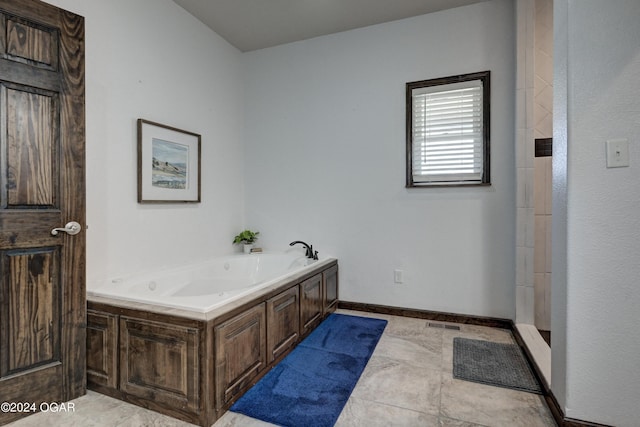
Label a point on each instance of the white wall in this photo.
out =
(325, 160)
(150, 59)
(559, 203)
(601, 379)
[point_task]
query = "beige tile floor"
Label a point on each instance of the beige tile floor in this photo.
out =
(408, 382)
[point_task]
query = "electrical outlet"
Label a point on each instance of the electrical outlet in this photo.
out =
(398, 276)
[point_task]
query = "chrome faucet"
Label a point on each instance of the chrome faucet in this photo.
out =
(309, 251)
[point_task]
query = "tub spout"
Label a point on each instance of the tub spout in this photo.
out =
(309, 249)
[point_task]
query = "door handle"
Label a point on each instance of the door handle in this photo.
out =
(72, 228)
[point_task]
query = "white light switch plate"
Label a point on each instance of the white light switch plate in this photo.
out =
(617, 153)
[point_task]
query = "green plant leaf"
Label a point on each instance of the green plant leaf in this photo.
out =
(247, 237)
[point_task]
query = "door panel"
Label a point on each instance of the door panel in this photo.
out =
(42, 277)
(159, 361)
(29, 42)
(283, 322)
(31, 148)
(102, 348)
(310, 304)
(30, 326)
(241, 353)
(330, 297)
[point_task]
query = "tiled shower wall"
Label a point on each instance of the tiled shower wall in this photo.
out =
(543, 69)
(525, 221)
(543, 119)
(534, 100)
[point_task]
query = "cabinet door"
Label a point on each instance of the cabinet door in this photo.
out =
(102, 348)
(283, 322)
(330, 297)
(240, 346)
(310, 303)
(159, 361)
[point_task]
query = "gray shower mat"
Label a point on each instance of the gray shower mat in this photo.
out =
(491, 363)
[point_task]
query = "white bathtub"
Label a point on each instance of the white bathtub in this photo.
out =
(207, 285)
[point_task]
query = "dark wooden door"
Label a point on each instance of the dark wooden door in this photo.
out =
(42, 277)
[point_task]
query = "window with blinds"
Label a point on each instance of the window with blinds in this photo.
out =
(448, 131)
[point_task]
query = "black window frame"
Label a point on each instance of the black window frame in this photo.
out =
(485, 78)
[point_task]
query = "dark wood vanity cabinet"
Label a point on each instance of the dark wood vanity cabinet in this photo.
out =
(240, 353)
(283, 323)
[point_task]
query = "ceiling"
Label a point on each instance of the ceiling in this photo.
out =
(255, 24)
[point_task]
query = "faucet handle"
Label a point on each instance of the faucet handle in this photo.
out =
(315, 255)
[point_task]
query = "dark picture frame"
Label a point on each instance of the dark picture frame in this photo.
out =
(169, 164)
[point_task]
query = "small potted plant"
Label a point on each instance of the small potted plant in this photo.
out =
(247, 238)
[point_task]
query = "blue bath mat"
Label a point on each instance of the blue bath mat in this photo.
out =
(312, 384)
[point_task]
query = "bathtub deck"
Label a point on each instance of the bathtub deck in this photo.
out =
(208, 360)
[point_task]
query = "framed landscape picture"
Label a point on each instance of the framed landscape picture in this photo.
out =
(168, 164)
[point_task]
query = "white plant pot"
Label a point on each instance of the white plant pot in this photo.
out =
(247, 248)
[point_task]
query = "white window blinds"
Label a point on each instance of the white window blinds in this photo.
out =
(447, 135)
